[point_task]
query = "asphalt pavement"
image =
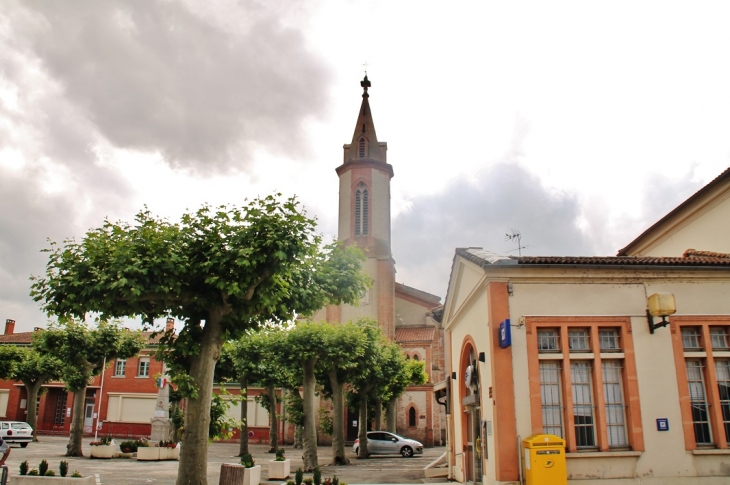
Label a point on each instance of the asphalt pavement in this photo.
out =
(125, 471)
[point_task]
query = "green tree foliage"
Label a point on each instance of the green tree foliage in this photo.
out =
(33, 369)
(83, 351)
(221, 271)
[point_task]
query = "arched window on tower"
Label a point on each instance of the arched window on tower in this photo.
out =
(412, 418)
(361, 151)
(361, 210)
(415, 357)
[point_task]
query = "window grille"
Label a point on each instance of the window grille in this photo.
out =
(698, 401)
(365, 211)
(719, 338)
(579, 340)
(614, 400)
(722, 371)
(548, 340)
(412, 417)
(144, 368)
(362, 148)
(552, 406)
(60, 418)
(691, 338)
(609, 340)
(120, 367)
(583, 412)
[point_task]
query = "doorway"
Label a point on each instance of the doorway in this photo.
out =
(89, 417)
(473, 445)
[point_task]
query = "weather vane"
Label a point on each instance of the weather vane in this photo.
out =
(515, 236)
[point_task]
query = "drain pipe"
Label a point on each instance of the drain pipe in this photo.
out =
(101, 396)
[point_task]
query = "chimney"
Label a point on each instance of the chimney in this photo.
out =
(170, 325)
(9, 326)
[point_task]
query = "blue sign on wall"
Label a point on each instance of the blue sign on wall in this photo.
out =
(662, 424)
(505, 334)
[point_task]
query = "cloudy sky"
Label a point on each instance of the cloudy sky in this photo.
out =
(577, 124)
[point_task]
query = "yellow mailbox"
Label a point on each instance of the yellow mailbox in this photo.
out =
(545, 460)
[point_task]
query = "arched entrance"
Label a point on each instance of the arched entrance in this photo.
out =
(471, 412)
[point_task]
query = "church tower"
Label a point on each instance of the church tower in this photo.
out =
(364, 218)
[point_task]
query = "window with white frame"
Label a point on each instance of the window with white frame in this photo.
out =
(579, 340)
(583, 411)
(143, 369)
(719, 338)
(722, 371)
(548, 340)
(120, 367)
(609, 340)
(550, 397)
(613, 397)
(692, 338)
(698, 401)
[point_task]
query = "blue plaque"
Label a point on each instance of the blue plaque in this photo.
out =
(662, 424)
(505, 334)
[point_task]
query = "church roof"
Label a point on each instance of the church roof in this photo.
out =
(414, 334)
(365, 128)
(424, 296)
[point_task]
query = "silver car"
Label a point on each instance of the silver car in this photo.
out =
(385, 443)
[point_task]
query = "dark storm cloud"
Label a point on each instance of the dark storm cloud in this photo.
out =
(155, 76)
(479, 212)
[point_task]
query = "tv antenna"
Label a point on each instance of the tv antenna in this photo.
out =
(518, 237)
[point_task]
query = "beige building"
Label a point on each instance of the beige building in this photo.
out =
(402, 312)
(563, 345)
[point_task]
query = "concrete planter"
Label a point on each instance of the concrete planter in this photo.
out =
(252, 476)
(31, 480)
(279, 470)
(103, 451)
(170, 453)
(154, 453)
(148, 453)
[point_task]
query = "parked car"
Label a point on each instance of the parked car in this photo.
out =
(16, 432)
(385, 443)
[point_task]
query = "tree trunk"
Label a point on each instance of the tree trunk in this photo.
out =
(76, 433)
(310, 430)
(32, 389)
(298, 437)
(193, 467)
(274, 429)
(243, 447)
(378, 414)
(390, 416)
(362, 432)
(338, 421)
(231, 474)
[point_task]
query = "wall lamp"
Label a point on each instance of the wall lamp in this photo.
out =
(482, 357)
(453, 375)
(660, 305)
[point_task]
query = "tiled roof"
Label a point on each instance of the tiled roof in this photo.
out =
(725, 175)
(19, 338)
(693, 253)
(26, 338)
(414, 334)
(693, 258)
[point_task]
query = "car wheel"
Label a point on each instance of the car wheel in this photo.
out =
(23, 445)
(406, 451)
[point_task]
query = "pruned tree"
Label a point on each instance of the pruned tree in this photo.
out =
(220, 271)
(83, 352)
(33, 368)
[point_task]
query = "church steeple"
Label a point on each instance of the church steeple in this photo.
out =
(365, 145)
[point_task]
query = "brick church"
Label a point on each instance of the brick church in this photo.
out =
(405, 314)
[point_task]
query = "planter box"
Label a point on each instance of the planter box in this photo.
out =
(279, 470)
(170, 453)
(148, 453)
(154, 453)
(103, 451)
(233, 474)
(26, 480)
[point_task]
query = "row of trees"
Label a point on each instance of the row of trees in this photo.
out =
(221, 271)
(352, 357)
